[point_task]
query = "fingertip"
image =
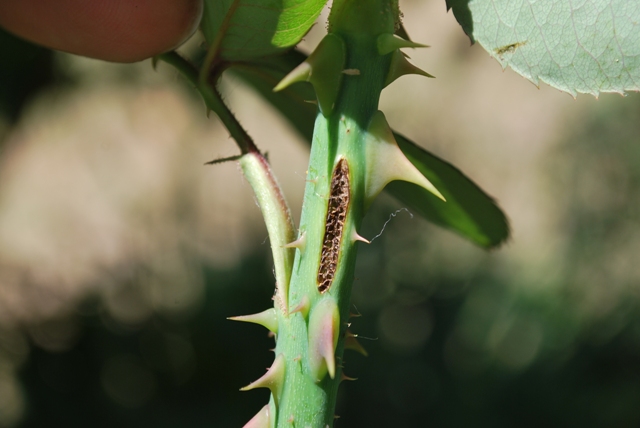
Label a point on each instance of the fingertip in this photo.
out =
(112, 30)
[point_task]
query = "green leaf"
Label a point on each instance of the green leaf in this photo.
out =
(468, 210)
(292, 102)
(248, 29)
(463, 15)
(580, 46)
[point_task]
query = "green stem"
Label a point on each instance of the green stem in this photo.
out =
(213, 101)
(308, 396)
(353, 156)
(256, 170)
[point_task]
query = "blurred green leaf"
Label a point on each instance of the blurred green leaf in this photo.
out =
(468, 210)
(251, 29)
(264, 74)
(24, 70)
(581, 46)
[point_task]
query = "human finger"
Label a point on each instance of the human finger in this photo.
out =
(113, 30)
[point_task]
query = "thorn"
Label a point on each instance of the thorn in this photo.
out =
(324, 326)
(388, 43)
(260, 420)
(323, 69)
(222, 160)
(302, 307)
(402, 32)
(355, 237)
(154, 62)
(351, 72)
(315, 102)
(386, 162)
(266, 319)
(357, 314)
(400, 66)
(301, 73)
(272, 379)
(208, 113)
(344, 377)
(298, 243)
(350, 342)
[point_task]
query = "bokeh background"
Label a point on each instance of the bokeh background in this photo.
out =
(121, 255)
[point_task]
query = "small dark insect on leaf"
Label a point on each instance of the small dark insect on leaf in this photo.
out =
(509, 48)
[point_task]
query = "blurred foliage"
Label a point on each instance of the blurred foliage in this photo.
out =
(162, 372)
(25, 69)
(482, 358)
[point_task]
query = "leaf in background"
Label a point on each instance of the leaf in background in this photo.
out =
(256, 28)
(463, 15)
(263, 75)
(586, 46)
(25, 69)
(468, 210)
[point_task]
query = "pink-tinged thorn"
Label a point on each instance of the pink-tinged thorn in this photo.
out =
(302, 307)
(272, 379)
(266, 319)
(356, 314)
(324, 327)
(356, 237)
(386, 162)
(350, 342)
(260, 420)
(400, 66)
(298, 243)
(344, 377)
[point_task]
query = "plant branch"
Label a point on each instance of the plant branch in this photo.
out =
(213, 101)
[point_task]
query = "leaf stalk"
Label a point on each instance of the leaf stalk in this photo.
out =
(213, 101)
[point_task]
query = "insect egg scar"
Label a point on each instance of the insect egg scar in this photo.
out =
(334, 225)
